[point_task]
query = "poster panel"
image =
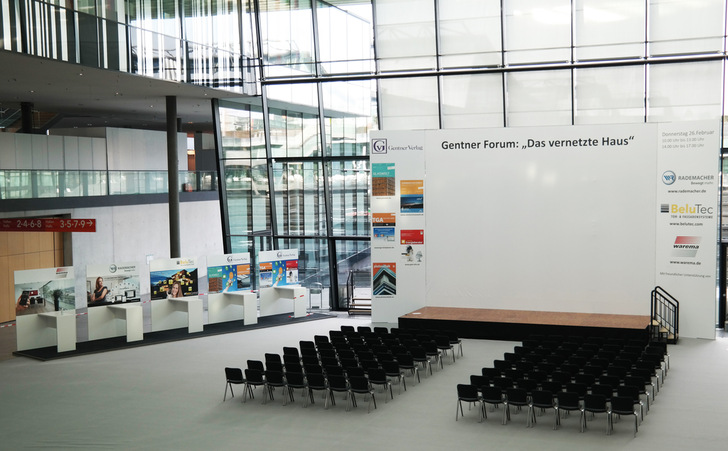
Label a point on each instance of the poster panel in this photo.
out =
(44, 290)
(228, 272)
(114, 283)
(176, 277)
(278, 268)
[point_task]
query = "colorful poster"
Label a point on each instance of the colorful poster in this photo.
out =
(278, 268)
(170, 278)
(112, 284)
(411, 198)
(384, 280)
(383, 183)
(44, 290)
(412, 236)
(229, 272)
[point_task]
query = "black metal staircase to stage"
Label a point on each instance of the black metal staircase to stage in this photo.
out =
(358, 297)
(665, 314)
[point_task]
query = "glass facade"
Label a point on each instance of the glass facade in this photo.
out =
(294, 156)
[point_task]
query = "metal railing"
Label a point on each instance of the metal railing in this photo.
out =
(665, 314)
(36, 184)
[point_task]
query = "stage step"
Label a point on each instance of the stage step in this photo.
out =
(360, 306)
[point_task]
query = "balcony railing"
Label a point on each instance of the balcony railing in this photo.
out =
(35, 184)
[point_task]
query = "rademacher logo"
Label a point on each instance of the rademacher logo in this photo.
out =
(112, 269)
(668, 177)
(379, 146)
(686, 246)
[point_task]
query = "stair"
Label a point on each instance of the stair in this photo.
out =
(664, 311)
(360, 306)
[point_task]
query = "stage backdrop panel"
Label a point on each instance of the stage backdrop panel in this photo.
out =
(539, 218)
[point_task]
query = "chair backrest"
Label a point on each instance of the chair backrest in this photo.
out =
(272, 357)
(517, 396)
(622, 405)
(391, 368)
(479, 381)
(595, 403)
(355, 371)
(272, 365)
(337, 382)
(567, 400)
(316, 381)
(405, 360)
(377, 376)
(334, 370)
(542, 398)
(306, 344)
(295, 380)
(288, 350)
(348, 329)
(256, 365)
(254, 376)
(629, 391)
(290, 358)
(359, 384)
(234, 374)
(602, 389)
(467, 392)
(363, 329)
(274, 377)
(492, 395)
(381, 330)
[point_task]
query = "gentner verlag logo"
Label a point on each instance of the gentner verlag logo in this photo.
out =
(686, 246)
(379, 146)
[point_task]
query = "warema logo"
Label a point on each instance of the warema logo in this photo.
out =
(668, 177)
(379, 146)
(686, 246)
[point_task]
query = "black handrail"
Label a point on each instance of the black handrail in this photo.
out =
(665, 309)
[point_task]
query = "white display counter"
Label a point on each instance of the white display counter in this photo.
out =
(47, 329)
(116, 320)
(232, 306)
(286, 299)
(176, 313)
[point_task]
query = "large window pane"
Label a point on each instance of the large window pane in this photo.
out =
(608, 29)
(241, 127)
(409, 103)
(300, 208)
(349, 107)
(539, 98)
(287, 38)
(610, 95)
(684, 92)
(405, 34)
(346, 40)
(537, 31)
(680, 27)
(471, 101)
(354, 265)
(313, 263)
(470, 33)
(350, 197)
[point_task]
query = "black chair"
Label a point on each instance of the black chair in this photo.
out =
(491, 395)
(455, 340)
(337, 384)
(256, 365)
(593, 404)
(378, 378)
(232, 376)
(641, 384)
(316, 381)
(604, 390)
(306, 344)
(622, 405)
(348, 329)
(287, 350)
(253, 378)
(273, 365)
(359, 385)
(273, 357)
(393, 371)
(469, 394)
(421, 359)
(517, 397)
(479, 381)
(630, 391)
(294, 381)
(407, 363)
(290, 359)
(363, 329)
(566, 402)
(530, 385)
(444, 346)
(273, 380)
(381, 330)
(491, 373)
(433, 354)
(542, 400)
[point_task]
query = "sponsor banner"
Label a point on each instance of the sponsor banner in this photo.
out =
(228, 272)
(114, 283)
(44, 290)
(278, 268)
(175, 277)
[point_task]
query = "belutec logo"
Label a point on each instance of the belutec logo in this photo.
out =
(379, 146)
(687, 209)
(686, 246)
(668, 177)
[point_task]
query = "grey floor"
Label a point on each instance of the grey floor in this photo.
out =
(169, 396)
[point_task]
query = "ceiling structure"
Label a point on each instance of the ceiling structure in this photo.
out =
(88, 97)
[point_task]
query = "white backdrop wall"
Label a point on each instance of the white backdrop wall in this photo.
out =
(564, 219)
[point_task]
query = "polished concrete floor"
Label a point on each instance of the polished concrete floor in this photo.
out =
(169, 396)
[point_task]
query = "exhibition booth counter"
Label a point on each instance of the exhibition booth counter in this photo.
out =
(232, 306)
(176, 313)
(47, 329)
(284, 299)
(116, 320)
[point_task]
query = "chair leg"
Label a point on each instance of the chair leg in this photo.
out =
(459, 407)
(227, 384)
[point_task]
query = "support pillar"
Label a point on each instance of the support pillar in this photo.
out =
(173, 177)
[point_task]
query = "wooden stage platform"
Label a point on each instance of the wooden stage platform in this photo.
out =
(515, 325)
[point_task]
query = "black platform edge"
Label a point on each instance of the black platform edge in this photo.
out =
(518, 331)
(165, 336)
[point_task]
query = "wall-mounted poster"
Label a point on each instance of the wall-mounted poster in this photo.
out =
(112, 284)
(384, 280)
(383, 182)
(173, 278)
(278, 268)
(229, 272)
(44, 290)
(411, 196)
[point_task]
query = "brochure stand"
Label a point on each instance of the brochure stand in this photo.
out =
(47, 329)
